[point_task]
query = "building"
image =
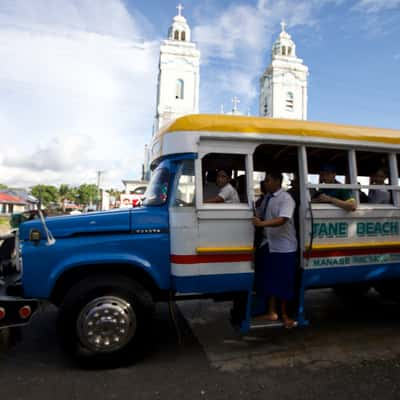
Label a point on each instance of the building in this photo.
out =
(179, 74)
(11, 204)
(283, 86)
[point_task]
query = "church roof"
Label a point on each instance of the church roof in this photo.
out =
(243, 124)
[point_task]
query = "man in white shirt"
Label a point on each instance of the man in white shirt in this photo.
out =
(227, 193)
(278, 249)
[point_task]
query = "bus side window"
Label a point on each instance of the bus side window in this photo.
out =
(373, 170)
(185, 188)
(235, 167)
(328, 166)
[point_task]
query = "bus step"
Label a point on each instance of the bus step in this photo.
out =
(254, 324)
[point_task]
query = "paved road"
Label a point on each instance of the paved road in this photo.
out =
(350, 351)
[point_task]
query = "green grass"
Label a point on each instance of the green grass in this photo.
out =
(5, 222)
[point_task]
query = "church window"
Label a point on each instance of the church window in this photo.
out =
(284, 50)
(183, 36)
(289, 101)
(289, 51)
(176, 35)
(179, 89)
(266, 106)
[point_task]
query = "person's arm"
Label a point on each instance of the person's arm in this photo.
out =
(216, 199)
(270, 223)
(348, 205)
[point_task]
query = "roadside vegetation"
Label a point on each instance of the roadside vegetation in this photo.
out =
(4, 224)
(60, 199)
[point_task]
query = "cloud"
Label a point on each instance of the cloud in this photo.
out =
(78, 91)
(372, 6)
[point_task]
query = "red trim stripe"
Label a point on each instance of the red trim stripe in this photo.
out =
(350, 252)
(210, 258)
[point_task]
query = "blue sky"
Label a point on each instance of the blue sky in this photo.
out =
(78, 76)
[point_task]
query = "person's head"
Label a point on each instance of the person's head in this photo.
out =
(327, 173)
(126, 202)
(378, 177)
(273, 181)
(222, 178)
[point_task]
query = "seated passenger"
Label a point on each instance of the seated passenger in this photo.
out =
(339, 197)
(378, 196)
(227, 193)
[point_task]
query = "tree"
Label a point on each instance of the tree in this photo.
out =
(67, 193)
(87, 193)
(45, 193)
(2, 186)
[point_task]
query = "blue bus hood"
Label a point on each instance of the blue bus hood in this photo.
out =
(78, 225)
(138, 220)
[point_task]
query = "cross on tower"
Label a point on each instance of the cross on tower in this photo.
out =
(180, 8)
(283, 25)
(235, 102)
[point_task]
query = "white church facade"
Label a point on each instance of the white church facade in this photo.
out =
(178, 83)
(283, 85)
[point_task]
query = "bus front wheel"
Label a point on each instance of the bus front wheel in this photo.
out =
(103, 320)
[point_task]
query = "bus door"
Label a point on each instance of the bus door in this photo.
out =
(212, 243)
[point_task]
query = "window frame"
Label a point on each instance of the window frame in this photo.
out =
(353, 174)
(175, 186)
(179, 89)
(199, 202)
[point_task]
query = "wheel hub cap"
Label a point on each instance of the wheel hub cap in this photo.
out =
(106, 324)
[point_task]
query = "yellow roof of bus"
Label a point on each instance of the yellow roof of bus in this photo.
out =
(242, 124)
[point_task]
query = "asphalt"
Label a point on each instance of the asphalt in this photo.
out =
(212, 362)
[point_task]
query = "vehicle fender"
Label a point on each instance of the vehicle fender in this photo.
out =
(76, 261)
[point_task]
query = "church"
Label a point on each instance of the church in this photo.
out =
(282, 90)
(283, 85)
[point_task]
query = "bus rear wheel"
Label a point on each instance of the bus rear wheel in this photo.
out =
(351, 291)
(388, 290)
(103, 320)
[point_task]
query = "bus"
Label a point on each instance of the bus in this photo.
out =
(105, 271)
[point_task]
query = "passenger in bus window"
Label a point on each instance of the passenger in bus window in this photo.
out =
(227, 193)
(278, 250)
(378, 196)
(342, 198)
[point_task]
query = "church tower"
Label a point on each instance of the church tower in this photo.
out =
(283, 86)
(178, 74)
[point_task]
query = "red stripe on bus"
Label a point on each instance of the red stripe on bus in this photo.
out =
(210, 258)
(350, 252)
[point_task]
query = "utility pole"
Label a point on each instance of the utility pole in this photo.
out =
(99, 173)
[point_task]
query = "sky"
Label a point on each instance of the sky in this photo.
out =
(78, 77)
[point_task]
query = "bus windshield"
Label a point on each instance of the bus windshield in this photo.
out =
(157, 191)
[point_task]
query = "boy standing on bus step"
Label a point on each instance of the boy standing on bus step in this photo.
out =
(278, 250)
(339, 197)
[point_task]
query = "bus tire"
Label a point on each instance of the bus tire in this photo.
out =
(103, 321)
(352, 291)
(388, 290)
